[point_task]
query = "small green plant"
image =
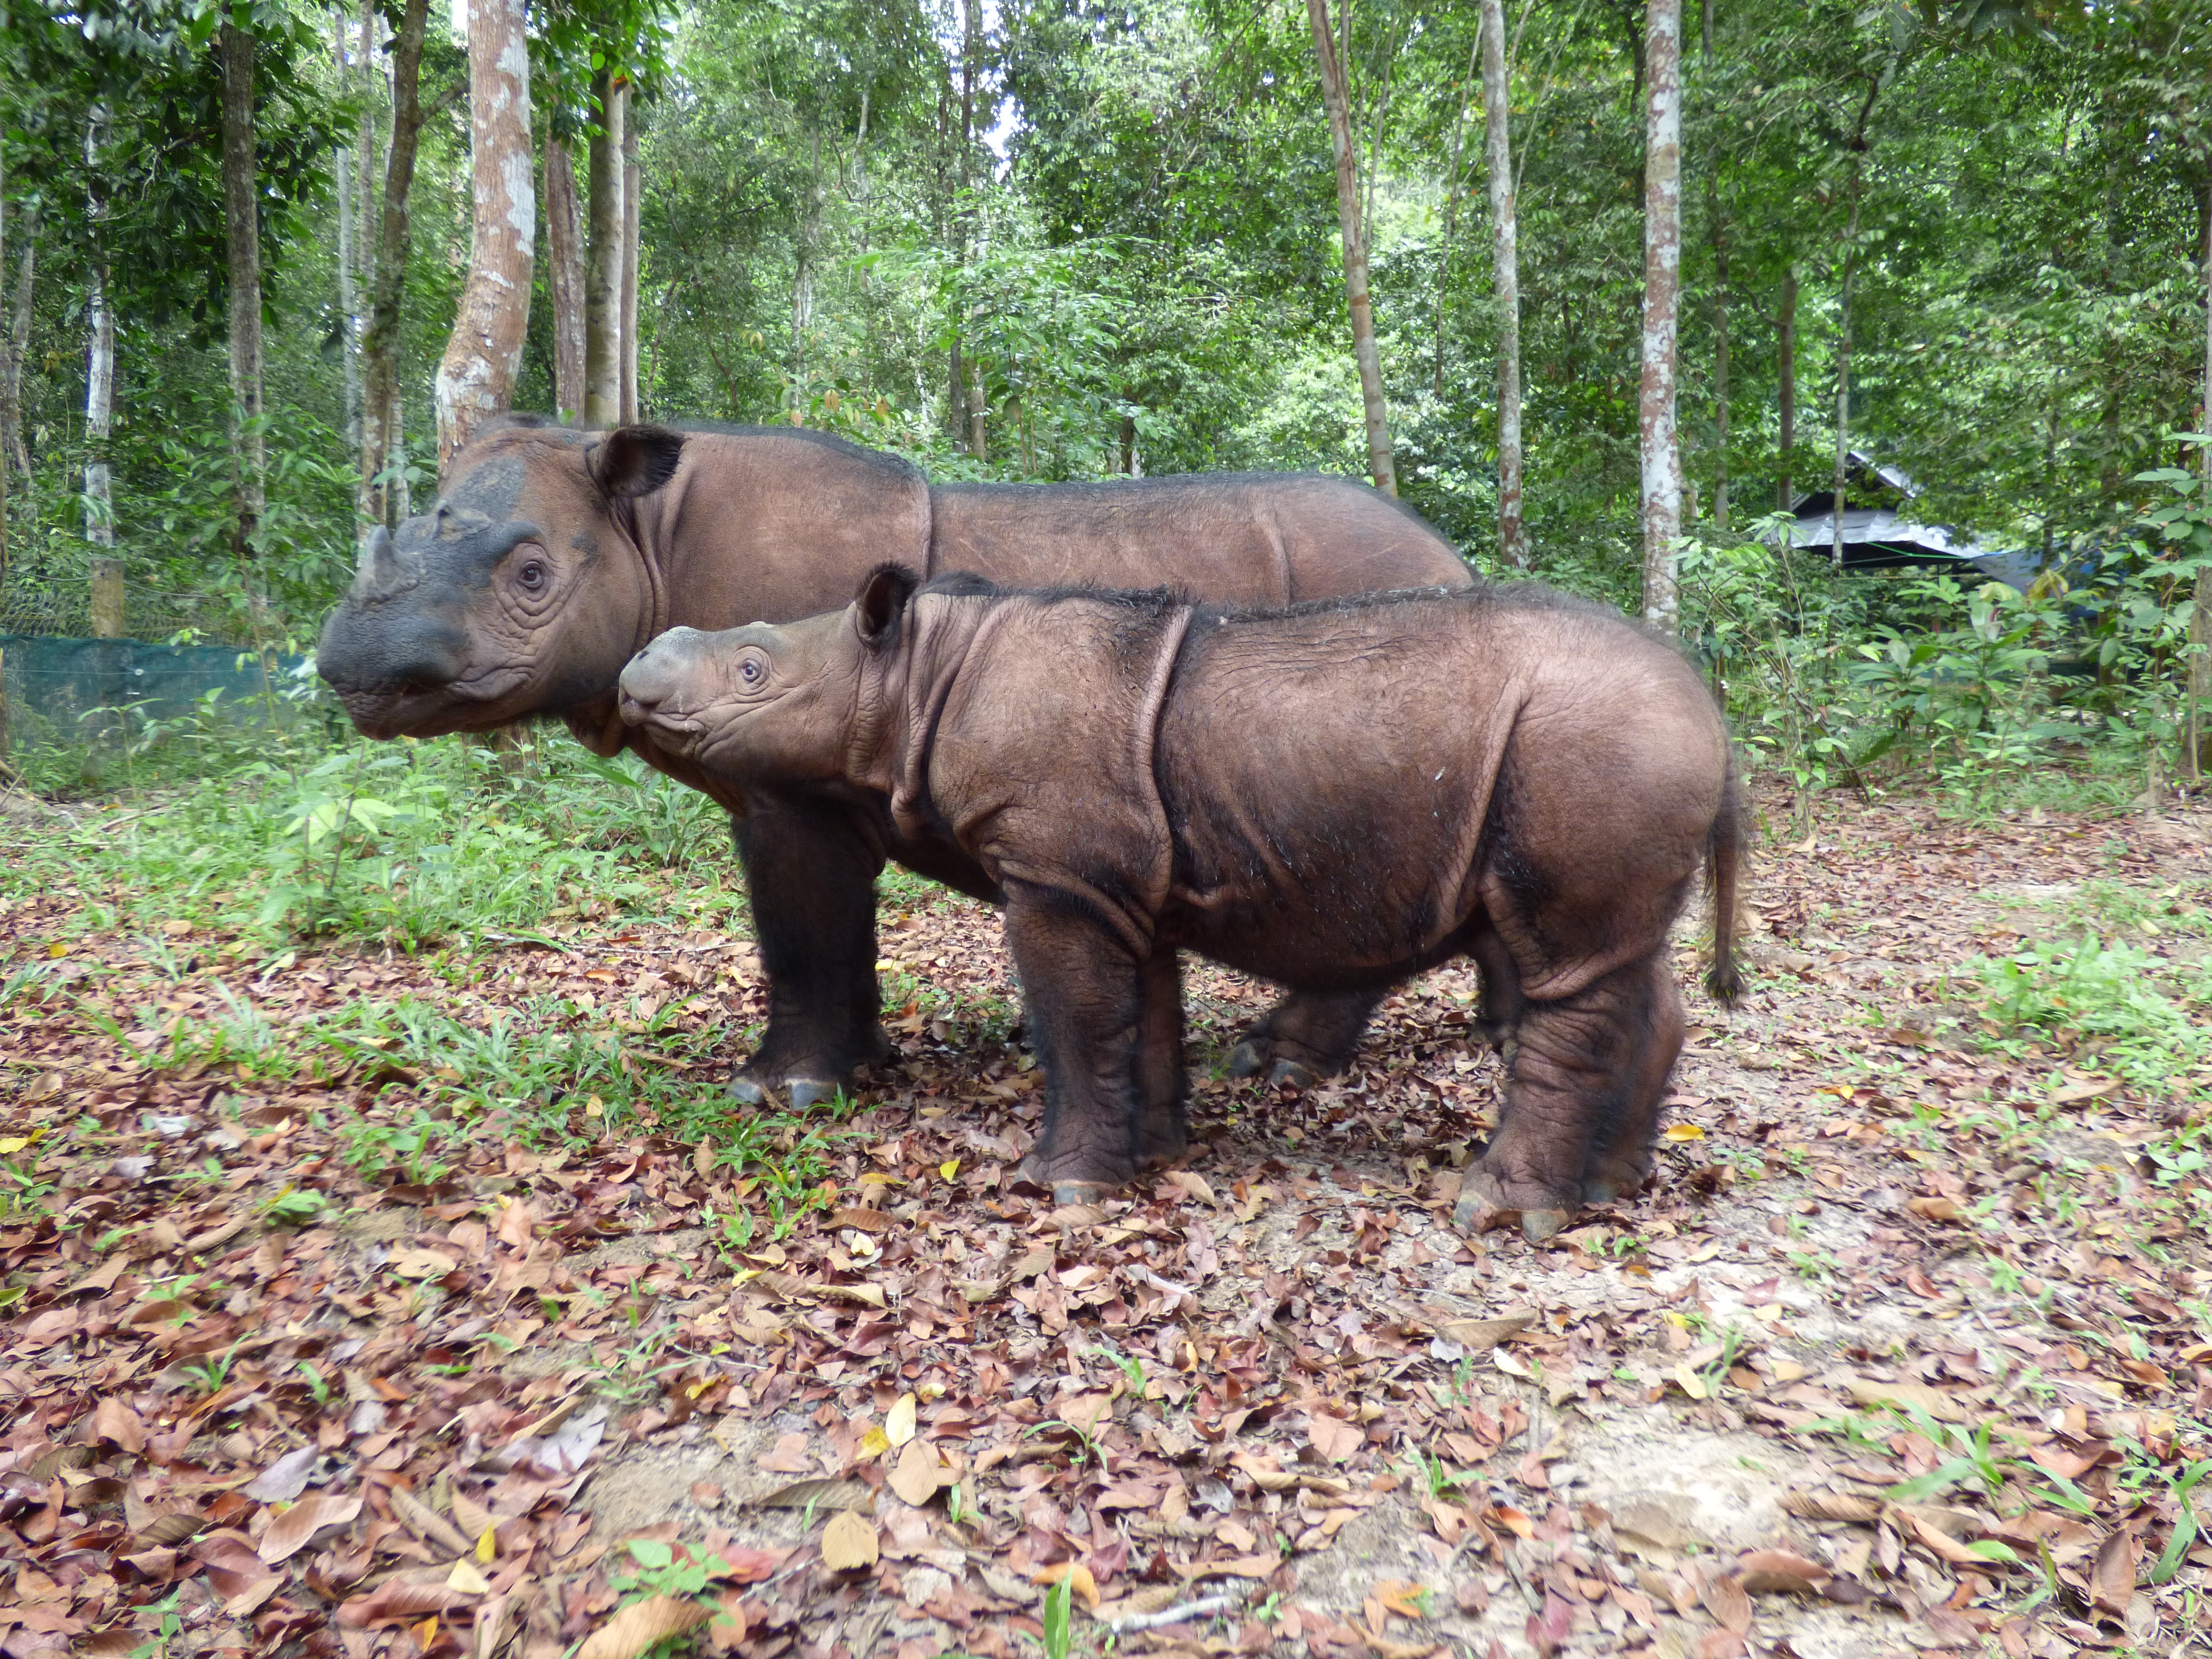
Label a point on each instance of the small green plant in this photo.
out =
(1058, 1620)
(295, 1207)
(168, 1629)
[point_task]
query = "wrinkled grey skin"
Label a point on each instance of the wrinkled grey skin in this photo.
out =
(1333, 797)
(553, 555)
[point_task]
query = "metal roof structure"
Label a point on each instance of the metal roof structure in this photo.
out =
(1889, 538)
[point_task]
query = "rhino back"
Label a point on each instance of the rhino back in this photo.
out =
(770, 524)
(1236, 538)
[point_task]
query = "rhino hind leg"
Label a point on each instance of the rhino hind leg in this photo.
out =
(1163, 1127)
(1620, 1162)
(1307, 1036)
(810, 873)
(1087, 1001)
(1577, 1065)
(1503, 1000)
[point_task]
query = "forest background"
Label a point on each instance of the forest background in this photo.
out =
(1053, 239)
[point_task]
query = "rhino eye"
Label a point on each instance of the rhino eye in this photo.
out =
(751, 670)
(531, 576)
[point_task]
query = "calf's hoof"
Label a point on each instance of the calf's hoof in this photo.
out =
(1292, 1074)
(1247, 1059)
(1484, 1206)
(807, 1092)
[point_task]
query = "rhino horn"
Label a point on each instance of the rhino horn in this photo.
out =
(384, 570)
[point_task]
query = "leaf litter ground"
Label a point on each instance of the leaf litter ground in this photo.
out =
(332, 1328)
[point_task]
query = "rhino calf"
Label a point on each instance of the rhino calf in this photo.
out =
(1335, 796)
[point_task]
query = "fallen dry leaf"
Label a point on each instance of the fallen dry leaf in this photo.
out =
(641, 1624)
(292, 1531)
(848, 1542)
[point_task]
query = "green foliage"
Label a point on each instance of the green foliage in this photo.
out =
(2106, 999)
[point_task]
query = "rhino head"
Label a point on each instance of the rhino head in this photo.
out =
(520, 592)
(803, 703)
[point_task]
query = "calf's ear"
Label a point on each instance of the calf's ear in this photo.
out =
(881, 606)
(634, 460)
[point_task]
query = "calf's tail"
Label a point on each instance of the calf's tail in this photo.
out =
(1724, 849)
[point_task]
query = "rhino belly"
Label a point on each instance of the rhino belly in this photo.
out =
(1339, 876)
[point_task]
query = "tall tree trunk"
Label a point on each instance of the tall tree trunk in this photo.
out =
(960, 370)
(1451, 195)
(242, 218)
(348, 297)
(14, 454)
(564, 248)
(2200, 602)
(379, 344)
(1720, 337)
(476, 376)
(99, 406)
(1785, 376)
(633, 187)
(1844, 371)
(403, 505)
(1506, 262)
(7, 405)
(1663, 295)
(603, 279)
(1356, 298)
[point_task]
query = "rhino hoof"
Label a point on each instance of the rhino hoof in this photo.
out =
(807, 1092)
(1066, 1193)
(1540, 1224)
(877, 1047)
(746, 1092)
(1290, 1074)
(1246, 1059)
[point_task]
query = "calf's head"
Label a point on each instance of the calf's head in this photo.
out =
(802, 702)
(521, 592)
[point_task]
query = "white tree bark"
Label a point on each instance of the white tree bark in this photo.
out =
(1661, 444)
(1504, 216)
(603, 272)
(633, 187)
(98, 373)
(476, 378)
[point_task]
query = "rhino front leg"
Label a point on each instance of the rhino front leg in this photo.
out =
(810, 869)
(1087, 1001)
(1308, 1036)
(1620, 1162)
(1576, 1066)
(1163, 1129)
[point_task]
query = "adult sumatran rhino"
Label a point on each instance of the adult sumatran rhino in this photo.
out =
(1333, 796)
(556, 554)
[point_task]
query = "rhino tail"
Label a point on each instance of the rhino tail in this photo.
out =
(1724, 852)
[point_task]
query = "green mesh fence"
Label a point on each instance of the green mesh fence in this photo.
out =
(73, 690)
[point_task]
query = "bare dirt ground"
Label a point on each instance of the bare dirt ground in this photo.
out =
(1907, 1351)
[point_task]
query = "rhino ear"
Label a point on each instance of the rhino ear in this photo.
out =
(881, 606)
(634, 460)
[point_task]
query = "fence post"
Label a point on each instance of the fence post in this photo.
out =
(107, 599)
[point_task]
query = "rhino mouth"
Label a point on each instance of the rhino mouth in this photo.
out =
(471, 703)
(678, 729)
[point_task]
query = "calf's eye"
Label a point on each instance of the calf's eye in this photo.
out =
(531, 576)
(752, 671)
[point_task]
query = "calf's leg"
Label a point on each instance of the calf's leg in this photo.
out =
(1087, 1000)
(1578, 1063)
(1620, 1162)
(810, 869)
(1308, 1036)
(1502, 998)
(1163, 1127)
